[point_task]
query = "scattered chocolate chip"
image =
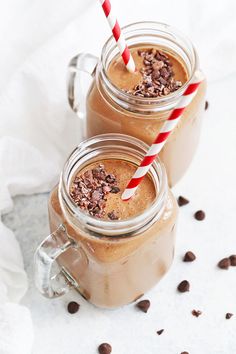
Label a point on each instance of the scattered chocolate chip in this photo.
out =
(104, 348)
(200, 215)
(228, 315)
(232, 259)
(112, 215)
(115, 189)
(206, 105)
(189, 257)
(182, 201)
(160, 332)
(224, 263)
(196, 313)
(73, 307)
(143, 305)
(184, 353)
(183, 286)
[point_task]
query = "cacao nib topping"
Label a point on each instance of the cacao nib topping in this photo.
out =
(89, 191)
(112, 215)
(115, 190)
(157, 75)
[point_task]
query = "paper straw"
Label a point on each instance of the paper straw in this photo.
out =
(161, 138)
(118, 35)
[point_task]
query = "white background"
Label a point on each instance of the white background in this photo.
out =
(37, 40)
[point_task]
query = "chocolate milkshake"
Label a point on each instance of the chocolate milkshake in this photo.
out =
(112, 251)
(119, 270)
(138, 103)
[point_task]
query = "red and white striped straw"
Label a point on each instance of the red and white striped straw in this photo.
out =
(161, 138)
(118, 35)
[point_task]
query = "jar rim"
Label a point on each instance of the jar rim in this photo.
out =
(123, 227)
(127, 30)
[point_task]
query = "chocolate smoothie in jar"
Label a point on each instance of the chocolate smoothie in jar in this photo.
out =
(111, 251)
(138, 103)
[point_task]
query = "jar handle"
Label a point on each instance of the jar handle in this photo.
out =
(52, 283)
(76, 92)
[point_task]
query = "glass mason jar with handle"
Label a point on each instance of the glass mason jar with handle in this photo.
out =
(111, 263)
(108, 109)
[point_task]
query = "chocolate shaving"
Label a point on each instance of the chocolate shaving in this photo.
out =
(89, 191)
(157, 75)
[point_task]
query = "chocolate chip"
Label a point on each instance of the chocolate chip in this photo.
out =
(104, 348)
(200, 215)
(232, 259)
(143, 305)
(115, 189)
(206, 105)
(189, 257)
(160, 332)
(228, 315)
(182, 201)
(184, 353)
(184, 286)
(112, 215)
(224, 263)
(196, 313)
(73, 307)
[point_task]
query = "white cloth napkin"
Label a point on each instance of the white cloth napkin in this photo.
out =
(37, 128)
(16, 331)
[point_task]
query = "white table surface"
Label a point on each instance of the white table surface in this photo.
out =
(210, 185)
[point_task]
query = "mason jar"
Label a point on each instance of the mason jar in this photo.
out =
(110, 262)
(108, 109)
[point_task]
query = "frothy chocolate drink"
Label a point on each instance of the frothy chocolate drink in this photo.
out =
(113, 271)
(98, 190)
(160, 73)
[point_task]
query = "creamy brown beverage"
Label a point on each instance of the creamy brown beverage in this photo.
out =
(118, 270)
(138, 103)
(111, 251)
